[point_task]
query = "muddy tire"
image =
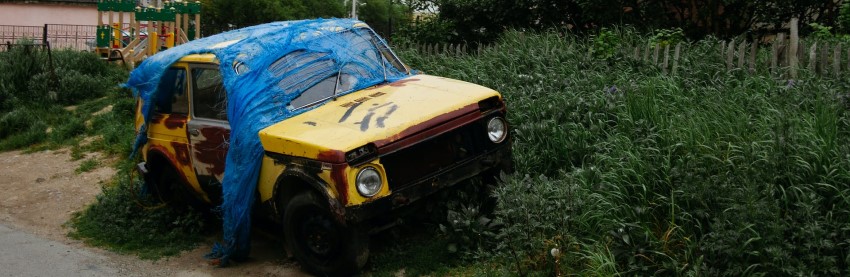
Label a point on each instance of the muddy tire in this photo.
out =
(320, 244)
(167, 187)
(162, 183)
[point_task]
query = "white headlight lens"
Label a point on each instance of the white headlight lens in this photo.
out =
(497, 129)
(368, 182)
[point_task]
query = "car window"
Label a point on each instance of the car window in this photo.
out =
(318, 92)
(209, 98)
(313, 75)
(171, 94)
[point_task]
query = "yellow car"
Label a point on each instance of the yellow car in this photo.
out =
(338, 148)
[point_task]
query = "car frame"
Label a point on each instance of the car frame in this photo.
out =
(331, 171)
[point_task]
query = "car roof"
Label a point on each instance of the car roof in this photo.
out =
(211, 58)
(200, 58)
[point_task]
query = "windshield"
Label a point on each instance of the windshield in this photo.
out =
(340, 63)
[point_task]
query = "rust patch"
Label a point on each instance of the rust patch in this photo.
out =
(165, 153)
(402, 83)
(332, 156)
(181, 152)
(212, 150)
(338, 174)
(431, 127)
(175, 121)
(156, 118)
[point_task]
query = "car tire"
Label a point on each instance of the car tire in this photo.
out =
(169, 188)
(164, 183)
(322, 245)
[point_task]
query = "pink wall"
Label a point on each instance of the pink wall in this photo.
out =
(40, 14)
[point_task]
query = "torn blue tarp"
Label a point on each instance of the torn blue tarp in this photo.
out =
(265, 69)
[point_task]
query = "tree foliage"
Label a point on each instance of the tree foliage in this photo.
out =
(484, 20)
(222, 15)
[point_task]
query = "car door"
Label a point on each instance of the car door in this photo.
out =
(209, 131)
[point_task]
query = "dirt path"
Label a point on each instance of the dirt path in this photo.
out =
(40, 191)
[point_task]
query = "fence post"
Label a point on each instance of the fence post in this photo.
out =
(666, 57)
(792, 51)
(813, 57)
(730, 54)
(44, 35)
(655, 55)
(646, 52)
(741, 54)
(753, 52)
(676, 58)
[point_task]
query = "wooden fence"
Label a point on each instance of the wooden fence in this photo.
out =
(784, 55)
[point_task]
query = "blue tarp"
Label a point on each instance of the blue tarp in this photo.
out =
(276, 63)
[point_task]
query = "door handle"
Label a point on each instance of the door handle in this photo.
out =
(194, 132)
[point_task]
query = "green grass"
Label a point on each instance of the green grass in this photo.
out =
(127, 221)
(87, 165)
(628, 170)
(36, 114)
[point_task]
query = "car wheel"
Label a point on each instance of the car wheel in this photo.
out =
(164, 183)
(322, 245)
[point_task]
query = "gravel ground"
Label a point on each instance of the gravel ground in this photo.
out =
(38, 194)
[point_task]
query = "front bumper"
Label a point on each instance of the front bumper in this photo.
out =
(491, 162)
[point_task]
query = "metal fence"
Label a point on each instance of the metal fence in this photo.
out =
(78, 37)
(59, 36)
(11, 34)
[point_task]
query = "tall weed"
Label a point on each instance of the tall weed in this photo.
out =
(633, 171)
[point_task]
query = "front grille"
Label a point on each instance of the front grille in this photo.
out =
(410, 164)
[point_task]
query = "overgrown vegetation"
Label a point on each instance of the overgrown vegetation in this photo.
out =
(127, 220)
(624, 169)
(37, 95)
(83, 108)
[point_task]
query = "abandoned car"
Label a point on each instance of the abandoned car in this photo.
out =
(318, 124)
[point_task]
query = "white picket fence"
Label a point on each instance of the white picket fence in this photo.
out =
(784, 54)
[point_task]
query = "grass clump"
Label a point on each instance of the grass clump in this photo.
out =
(37, 111)
(125, 220)
(87, 165)
(627, 170)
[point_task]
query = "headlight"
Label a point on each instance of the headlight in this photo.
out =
(497, 129)
(368, 182)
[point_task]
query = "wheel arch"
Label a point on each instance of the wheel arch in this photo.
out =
(295, 180)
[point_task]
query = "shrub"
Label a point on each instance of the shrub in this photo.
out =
(625, 168)
(76, 87)
(124, 220)
(17, 121)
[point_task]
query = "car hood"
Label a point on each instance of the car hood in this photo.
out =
(380, 114)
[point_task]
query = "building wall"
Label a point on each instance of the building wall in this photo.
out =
(38, 14)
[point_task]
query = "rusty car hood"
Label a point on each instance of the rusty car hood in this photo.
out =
(383, 113)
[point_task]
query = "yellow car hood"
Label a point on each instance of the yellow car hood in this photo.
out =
(377, 113)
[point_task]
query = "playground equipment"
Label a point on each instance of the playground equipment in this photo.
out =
(148, 31)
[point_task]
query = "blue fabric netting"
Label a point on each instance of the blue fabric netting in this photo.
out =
(276, 63)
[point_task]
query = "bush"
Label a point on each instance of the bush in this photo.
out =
(76, 87)
(29, 77)
(17, 121)
(623, 167)
(125, 220)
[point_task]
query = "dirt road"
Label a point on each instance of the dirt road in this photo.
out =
(40, 191)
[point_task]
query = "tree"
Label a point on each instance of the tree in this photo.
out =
(379, 13)
(483, 20)
(222, 15)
